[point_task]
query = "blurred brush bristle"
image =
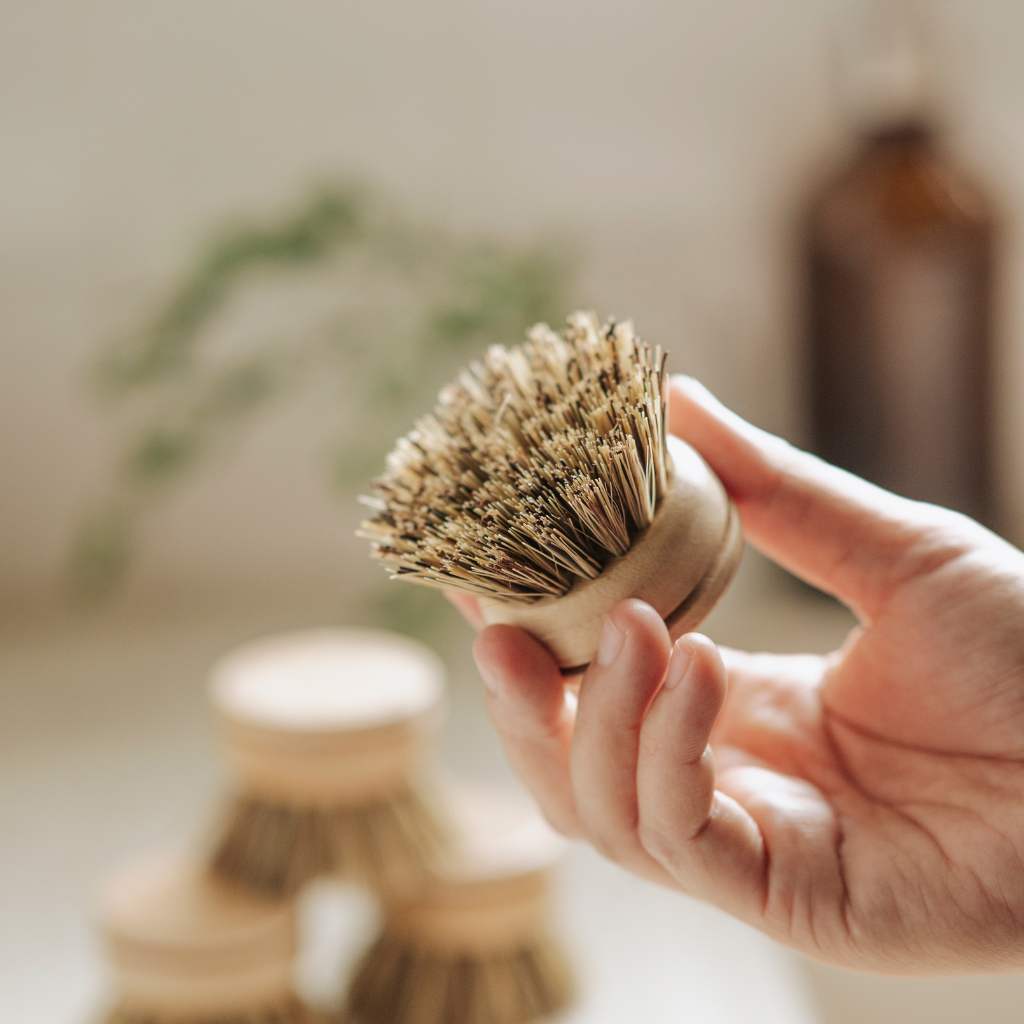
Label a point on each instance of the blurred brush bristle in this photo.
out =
(277, 848)
(398, 983)
(291, 1011)
(539, 465)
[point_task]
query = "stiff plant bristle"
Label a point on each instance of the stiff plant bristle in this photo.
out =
(276, 848)
(539, 465)
(400, 983)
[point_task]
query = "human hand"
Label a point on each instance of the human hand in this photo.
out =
(866, 807)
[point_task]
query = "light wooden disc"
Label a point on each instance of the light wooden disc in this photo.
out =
(181, 941)
(328, 680)
(329, 716)
(491, 889)
(497, 836)
(680, 565)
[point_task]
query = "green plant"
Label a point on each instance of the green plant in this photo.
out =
(409, 302)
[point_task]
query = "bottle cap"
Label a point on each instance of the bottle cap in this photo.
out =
(886, 65)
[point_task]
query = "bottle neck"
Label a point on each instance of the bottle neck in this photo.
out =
(888, 74)
(909, 132)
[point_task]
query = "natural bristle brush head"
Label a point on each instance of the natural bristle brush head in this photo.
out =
(326, 731)
(545, 483)
(185, 948)
(473, 945)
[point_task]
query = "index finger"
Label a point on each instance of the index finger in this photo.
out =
(833, 529)
(468, 606)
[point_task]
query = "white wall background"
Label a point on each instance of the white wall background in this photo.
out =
(672, 137)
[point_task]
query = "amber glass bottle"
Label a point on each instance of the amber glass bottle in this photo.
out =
(899, 250)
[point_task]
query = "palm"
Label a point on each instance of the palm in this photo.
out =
(889, 774)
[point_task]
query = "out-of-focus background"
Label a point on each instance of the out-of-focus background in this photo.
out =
(243, 243)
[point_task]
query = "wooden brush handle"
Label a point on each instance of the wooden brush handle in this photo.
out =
(680, 565)
(170, 990)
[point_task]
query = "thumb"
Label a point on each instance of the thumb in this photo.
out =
(833, 529)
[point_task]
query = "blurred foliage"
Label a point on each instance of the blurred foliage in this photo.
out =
(410, 303)
(166, 344)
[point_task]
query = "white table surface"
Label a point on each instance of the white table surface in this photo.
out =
(107, 750)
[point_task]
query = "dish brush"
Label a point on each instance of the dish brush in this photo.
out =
(474, 944)
(326, 731)
(185, 948)
(545, 484)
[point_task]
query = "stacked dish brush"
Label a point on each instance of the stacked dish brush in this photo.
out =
(183, 948)
(473, 943)
(328, 735)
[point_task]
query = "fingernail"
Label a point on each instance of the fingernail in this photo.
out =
(688, 383)
(612, 639)
(678, 665)
(491, 682)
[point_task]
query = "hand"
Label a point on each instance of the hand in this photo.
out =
(866, 807)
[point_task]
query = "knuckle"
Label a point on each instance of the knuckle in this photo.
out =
(650, 746)
(942, 529)
(941, 520)
(616, 843)
(525, 725)
(560, 821)
(659, 841)
(935, 546)
(606, 845)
